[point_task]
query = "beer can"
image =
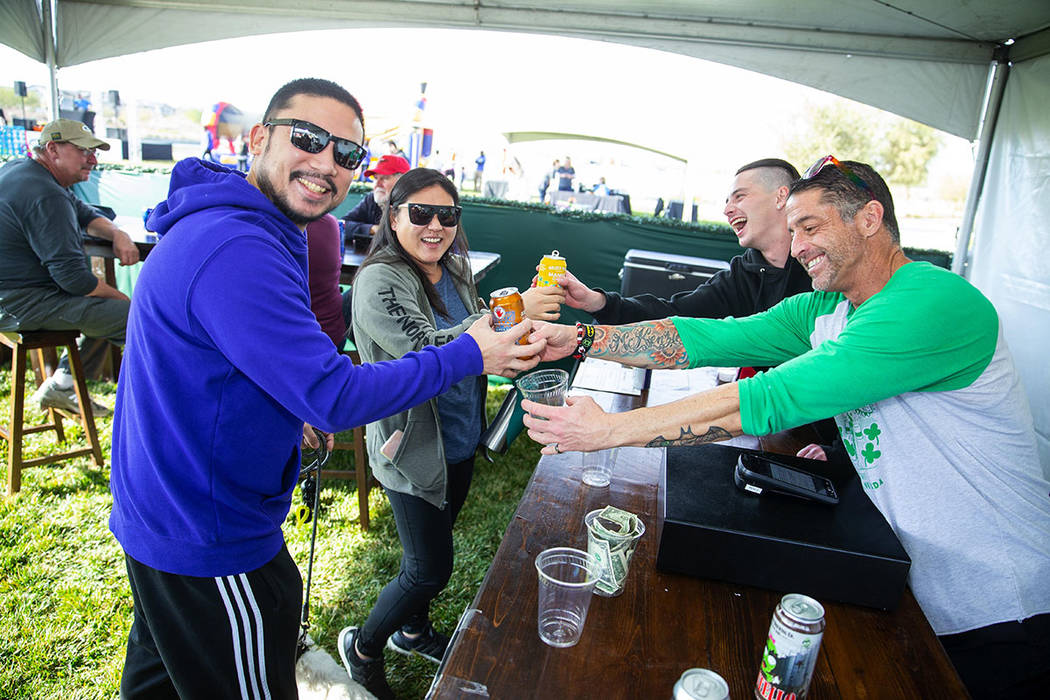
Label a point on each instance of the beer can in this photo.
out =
(791, 649)
(507, 308)
(551, 266)
(701, 684)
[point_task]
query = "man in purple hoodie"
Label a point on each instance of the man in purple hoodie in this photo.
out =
(224, 363)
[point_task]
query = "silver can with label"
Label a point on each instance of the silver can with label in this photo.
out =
(701, 684)
(790, 653)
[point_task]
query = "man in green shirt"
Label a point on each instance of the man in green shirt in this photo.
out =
(910, 360)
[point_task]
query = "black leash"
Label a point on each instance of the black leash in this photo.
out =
(310, 488)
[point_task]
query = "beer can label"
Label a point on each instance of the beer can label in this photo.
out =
(503, 318)
(787, 664)
(551, 266)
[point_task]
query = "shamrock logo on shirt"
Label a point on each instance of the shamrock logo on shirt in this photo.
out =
(873, 432)
(870, 454)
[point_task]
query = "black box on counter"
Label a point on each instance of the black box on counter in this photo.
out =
(712, 529)
(665, 274)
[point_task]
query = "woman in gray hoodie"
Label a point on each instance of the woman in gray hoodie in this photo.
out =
(415, 288)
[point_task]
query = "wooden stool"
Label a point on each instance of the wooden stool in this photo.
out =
(360, 472)
(44, 344)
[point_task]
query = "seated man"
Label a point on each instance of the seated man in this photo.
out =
(361, 221)
(911, 361)
(46, 282)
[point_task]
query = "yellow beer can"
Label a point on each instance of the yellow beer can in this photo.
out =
(551, 266)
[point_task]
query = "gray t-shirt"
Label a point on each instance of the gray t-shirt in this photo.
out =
(40, 231)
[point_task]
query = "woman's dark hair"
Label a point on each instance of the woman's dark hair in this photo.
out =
(385, 238)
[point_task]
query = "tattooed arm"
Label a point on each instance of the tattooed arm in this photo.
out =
(650, 344)
(582, 425)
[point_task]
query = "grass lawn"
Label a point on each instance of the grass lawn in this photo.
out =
(65, 606)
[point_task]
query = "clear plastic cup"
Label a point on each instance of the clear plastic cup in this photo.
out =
(598, 467)
(566, 584)
(546, 386)
(613, 552)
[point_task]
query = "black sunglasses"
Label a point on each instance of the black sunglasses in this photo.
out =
(313, 139)
(423, 214)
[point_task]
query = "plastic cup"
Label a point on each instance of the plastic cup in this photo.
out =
(546, 386)
(566, 584)
(598, 467)
(613, 553)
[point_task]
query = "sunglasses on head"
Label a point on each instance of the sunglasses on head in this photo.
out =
(313, 139)
(423, 214)
(812, 171)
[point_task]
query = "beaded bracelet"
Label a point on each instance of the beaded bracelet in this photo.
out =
(584, 340)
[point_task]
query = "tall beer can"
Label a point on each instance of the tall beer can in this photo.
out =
(507, 308)
(790, 654)
(701, 684)
(551, 266)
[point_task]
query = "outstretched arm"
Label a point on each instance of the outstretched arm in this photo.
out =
(650, 344)
(582, 425)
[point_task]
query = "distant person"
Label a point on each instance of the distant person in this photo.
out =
(479, 169)
(224, 363)
(565, 174)
(601, 189)
(545, 185)
(362, 221)
(46, 282)
(326, 266)
(394, 150)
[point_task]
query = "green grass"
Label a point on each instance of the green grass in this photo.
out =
(65, 606)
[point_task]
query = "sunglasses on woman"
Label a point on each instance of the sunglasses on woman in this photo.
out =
(423, 214)
(313, 139)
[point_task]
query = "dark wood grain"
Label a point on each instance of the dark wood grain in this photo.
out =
(637, 645)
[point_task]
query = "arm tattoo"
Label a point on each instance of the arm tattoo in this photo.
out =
(713, 434)
(650, 344)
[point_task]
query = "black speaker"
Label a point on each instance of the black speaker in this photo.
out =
(20, 88)
(114, 97)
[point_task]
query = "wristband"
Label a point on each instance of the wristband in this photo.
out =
(584, 340)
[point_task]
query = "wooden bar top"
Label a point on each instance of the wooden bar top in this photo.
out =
(638, 644)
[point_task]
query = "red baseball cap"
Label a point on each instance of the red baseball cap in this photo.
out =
(389, 165)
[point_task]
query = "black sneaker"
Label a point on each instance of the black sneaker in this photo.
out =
(431, 645)
(371, 675)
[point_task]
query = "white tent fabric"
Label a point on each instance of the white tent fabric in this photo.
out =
(923, 59)
(1011, 257)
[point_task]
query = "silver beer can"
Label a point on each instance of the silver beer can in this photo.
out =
(791, 649)
(701, 684)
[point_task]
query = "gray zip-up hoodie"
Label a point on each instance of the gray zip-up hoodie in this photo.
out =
(392, 316)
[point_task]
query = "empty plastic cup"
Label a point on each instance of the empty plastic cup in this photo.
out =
(598, 467)
(566, 583)
(546, 386)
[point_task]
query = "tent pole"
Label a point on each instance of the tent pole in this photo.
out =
(997, 75)
(48, 26)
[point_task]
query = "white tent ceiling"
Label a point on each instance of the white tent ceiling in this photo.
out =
(924, 59)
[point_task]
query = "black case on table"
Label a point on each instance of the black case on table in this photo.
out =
(664, 274)
(712, 529)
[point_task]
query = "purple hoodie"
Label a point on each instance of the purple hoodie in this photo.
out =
(223, 363)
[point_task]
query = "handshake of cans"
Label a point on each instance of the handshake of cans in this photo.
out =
(510, 352)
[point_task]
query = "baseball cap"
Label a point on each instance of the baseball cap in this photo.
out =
(71, 131)
(388, 165)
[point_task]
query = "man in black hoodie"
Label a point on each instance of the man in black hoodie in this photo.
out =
(755, 281)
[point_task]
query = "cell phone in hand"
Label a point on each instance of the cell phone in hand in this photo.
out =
(757, 474)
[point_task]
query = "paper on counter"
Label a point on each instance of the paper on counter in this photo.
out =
(602, 375)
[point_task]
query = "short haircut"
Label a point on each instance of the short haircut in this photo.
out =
(773, 173)
(318, 87)
(849, 197)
